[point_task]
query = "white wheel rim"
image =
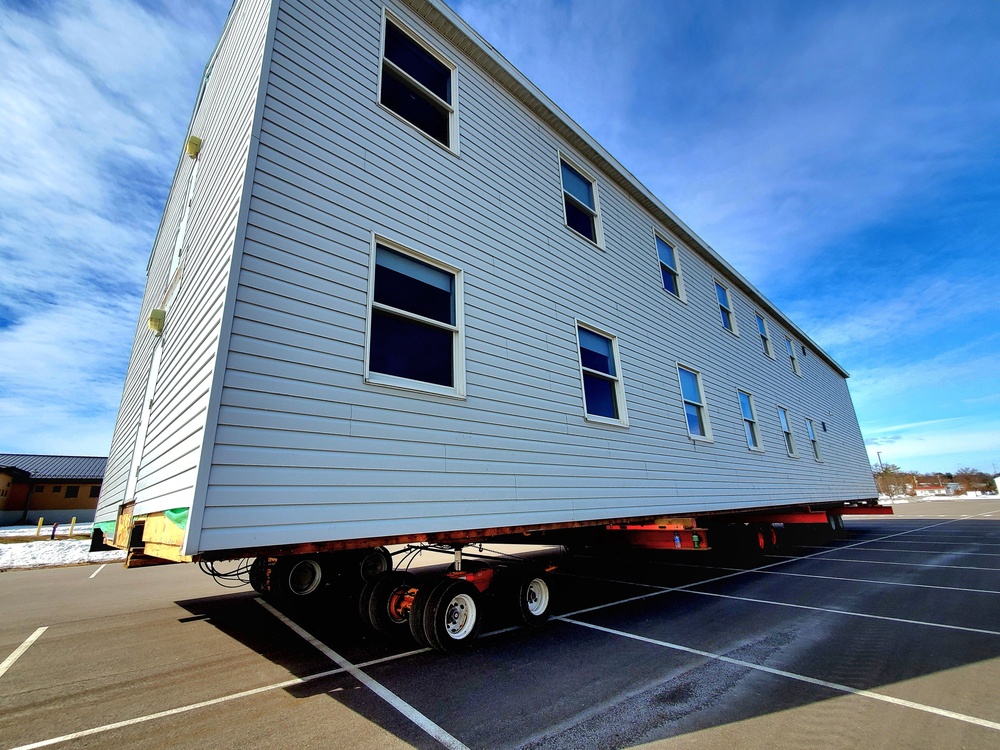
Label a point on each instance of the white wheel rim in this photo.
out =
(537, 597)
(460, 617)
(304, 577)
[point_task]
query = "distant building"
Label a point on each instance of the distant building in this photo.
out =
(56, 488)
(927, 490)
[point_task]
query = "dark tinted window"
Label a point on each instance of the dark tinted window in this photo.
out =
(73, 491)
(95, 491)
(413, 107)
(410, 349)
(596, 352)
(600, 395)
(408, 284)
(580, 220)
(417, 62)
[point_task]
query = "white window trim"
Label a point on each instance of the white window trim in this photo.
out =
(735, 331)
(814, 439)
(793, 356)
(756, 421)
(453, 138)
(618, 380)
(767, 333)
(664, 237)
(458, 330)
(708, 437)
(793, 453)
(589, 176)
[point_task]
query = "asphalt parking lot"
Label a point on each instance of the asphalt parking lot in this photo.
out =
(887, 636)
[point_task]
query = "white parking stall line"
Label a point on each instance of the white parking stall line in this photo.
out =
(798, 677)
(205, 704)
(102, 567)
(376, 687)
(892, 562)
(949, 544)
(896, 551)
(880, 583)
(771, 602)
(19, 651)
(758, 569)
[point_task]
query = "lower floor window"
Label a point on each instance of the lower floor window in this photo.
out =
(603, 395)
(414, 333)
(694, 403)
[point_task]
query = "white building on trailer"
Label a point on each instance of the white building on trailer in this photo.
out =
(400, 294)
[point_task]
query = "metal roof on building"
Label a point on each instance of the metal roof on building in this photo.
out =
(56, 467)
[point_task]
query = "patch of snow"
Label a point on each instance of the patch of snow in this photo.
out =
(63, 530)
(47, 553)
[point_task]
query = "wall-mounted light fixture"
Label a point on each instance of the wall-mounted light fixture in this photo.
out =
(193, 146)
(155, 322)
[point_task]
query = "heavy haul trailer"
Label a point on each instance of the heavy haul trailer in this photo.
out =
(397, 296)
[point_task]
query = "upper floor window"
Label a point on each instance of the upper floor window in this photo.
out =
(749, 420)
(695, 411)
(792, 358)
(417, 84)
(786, 429)
(580, 202)
(603, 393)
(669, 270)
(725, 308)
(415, 334)
(811, 431)
(765, 338)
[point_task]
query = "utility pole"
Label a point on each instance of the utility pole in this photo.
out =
(880, 466)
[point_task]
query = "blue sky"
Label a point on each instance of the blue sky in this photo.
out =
(845, 156)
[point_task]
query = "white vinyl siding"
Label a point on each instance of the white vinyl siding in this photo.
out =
(195, 288)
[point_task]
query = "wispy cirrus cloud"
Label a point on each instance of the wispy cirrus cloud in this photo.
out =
(95, 98)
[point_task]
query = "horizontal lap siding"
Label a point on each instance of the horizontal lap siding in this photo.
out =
(306, 451)
(190, 339)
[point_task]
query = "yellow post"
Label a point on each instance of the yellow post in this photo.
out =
(72, 523)
(38, 531)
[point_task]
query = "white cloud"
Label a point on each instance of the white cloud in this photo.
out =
(95, 97)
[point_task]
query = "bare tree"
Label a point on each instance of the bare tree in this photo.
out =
(890, 480)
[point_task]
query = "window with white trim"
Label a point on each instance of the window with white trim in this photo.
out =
(786, 429)
(695, 410)
(811, 431)
(417, 84)
(414, 332)
(603, 392)
(582, 211)
(749, 421)
(792, 358)
(725, 307)
(670, 272)
(765, 338)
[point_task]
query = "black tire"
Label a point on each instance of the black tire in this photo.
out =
(297, 577)
(416, 619)
(374, 563)
(380, 615)
(453, 615)
(534, 598)
(258, 575)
